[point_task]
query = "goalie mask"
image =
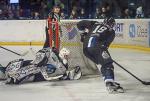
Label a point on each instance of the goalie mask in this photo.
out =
(63, 54)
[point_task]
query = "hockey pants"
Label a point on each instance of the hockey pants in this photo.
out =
(102, 57)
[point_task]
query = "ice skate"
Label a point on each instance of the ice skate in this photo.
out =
(114, 87)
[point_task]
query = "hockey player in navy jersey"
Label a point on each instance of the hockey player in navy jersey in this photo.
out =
(96, 38)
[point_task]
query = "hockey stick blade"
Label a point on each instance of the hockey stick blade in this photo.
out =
(146, 83)
(143, 82)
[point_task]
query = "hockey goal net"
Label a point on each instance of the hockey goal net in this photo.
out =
(69, 37)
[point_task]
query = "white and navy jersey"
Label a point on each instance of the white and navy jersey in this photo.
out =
(52, 59)
(45, 66)
(98, 33)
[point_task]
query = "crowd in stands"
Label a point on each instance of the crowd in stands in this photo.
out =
(75, 9)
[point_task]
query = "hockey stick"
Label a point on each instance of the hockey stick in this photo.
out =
(14, 52)
(143, 82)
(31, 49)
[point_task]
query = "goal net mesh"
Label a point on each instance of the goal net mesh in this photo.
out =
(70, 38)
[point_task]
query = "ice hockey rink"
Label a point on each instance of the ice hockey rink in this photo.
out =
(88, 88)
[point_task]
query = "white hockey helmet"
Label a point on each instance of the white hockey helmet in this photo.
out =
(64, 52)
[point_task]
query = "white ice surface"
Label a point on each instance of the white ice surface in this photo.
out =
(90, 88)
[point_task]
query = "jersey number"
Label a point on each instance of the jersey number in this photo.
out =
(99, 29)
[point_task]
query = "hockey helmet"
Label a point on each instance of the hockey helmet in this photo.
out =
(64, 54)
(110, 21)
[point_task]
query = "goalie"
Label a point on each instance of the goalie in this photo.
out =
(48, 65)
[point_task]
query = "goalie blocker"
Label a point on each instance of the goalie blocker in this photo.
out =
(48, 65)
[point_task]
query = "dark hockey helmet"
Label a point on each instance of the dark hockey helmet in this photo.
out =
(110, 21)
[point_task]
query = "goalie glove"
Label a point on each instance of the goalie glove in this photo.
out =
(72, 74)
(75, 73)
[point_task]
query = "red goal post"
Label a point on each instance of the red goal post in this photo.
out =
(53, 31)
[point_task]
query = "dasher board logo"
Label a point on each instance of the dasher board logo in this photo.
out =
(71, 30)
(139, 31)
(119, 29)
(132, 30)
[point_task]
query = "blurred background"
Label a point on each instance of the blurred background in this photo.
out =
(74, 9)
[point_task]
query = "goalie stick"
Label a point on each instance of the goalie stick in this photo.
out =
(31, 49)
(15, 52)
(143, 82)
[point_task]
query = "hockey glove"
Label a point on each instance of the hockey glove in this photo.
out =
(83, 36)
(104, 47)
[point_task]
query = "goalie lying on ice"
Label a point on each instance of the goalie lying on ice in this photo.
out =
(48, 65)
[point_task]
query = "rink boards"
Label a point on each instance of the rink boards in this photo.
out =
(130, 33)
(134, 32)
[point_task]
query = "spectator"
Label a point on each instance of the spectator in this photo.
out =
(146, 8)
(36, 16)
(97, 13)
(109, 10)
(139, 12)
(25, 9)
(82, 14)
(21, 13)
(132, 9)
(40, 8)
(3, 9)
(103, 13)
(74, 14)
(126, 14)
(1, 14)
(10, 13)
(62, 15)
(35, 8)
(15, 10)
(43, 10)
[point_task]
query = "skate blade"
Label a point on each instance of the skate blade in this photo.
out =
(115, 91)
